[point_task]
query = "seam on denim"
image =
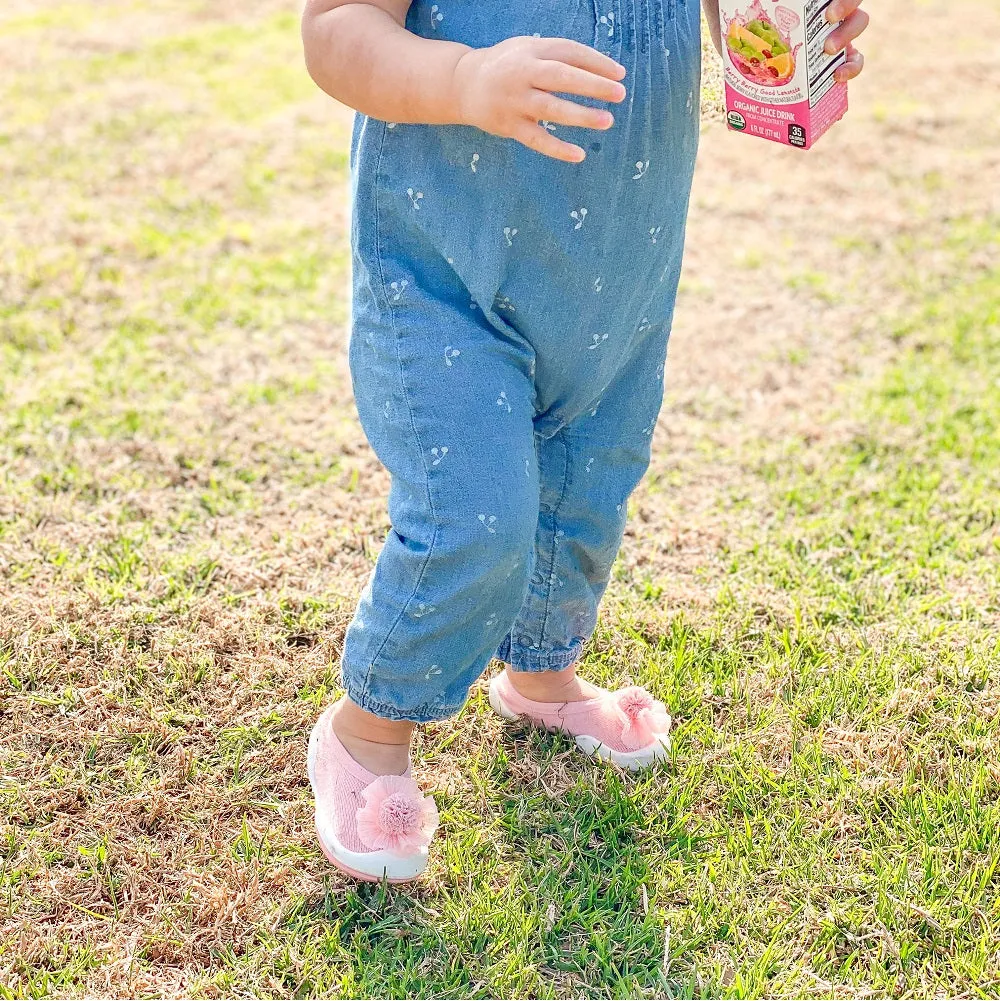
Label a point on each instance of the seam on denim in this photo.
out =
(550, 660)
(406, 399)
(504, 646)
(426, 712)
(555, 529)
(600, 32)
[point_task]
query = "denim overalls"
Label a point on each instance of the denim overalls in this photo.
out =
(509, 331)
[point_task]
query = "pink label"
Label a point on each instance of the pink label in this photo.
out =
(781, 124)
(787, 19)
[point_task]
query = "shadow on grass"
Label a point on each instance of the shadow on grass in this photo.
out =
(547, 894)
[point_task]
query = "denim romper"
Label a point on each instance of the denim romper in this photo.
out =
(509, 330)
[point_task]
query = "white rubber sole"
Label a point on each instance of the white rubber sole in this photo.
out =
(369, 866)
(634, 761)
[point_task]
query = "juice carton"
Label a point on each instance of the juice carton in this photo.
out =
(779, 79)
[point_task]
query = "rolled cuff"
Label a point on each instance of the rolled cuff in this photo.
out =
(533, 660)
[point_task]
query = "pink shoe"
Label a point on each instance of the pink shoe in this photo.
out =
(372, 827)
(628, 727)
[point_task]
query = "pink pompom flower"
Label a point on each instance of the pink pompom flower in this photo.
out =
(643, 717)
(396, 815)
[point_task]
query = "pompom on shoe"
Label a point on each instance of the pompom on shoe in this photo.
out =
(372, 827)
(628, 727)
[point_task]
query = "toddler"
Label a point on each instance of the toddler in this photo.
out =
(516, 254)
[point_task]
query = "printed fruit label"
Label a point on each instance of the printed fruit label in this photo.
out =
(763, 55)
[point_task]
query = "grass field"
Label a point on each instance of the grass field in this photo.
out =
(188, 510)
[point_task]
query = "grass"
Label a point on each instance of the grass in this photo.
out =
(188, 511)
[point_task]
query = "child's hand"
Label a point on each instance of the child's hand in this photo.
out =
(855, 21)
(511, 87)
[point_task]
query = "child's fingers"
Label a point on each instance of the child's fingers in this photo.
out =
(854, 65)
(841, 9)
(849, 30)
(562, 112)
(542, 141)
(561, 78)
(565, 50)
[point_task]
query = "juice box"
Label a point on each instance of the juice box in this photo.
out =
(779, 79)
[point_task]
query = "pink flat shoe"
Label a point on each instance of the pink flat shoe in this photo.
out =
(628, 727)
(372, 827)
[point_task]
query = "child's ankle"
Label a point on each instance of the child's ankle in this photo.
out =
(549, 686)
(380, 745)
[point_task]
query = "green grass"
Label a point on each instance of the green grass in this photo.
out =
(188, 511)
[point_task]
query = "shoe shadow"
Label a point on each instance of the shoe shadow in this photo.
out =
(539, 886)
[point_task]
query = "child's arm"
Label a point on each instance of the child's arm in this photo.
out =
(360, 53)
(711, 8)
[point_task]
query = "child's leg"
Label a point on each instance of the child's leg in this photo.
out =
(447, 405)
(447, 402)
(588, 468)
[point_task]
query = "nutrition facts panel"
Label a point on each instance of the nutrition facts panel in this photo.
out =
(820, 65)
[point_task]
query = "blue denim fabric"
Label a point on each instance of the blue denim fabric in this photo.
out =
(509, 333)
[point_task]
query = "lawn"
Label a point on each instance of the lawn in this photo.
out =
(188, 510)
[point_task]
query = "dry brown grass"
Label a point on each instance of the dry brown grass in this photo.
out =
(189, 509)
